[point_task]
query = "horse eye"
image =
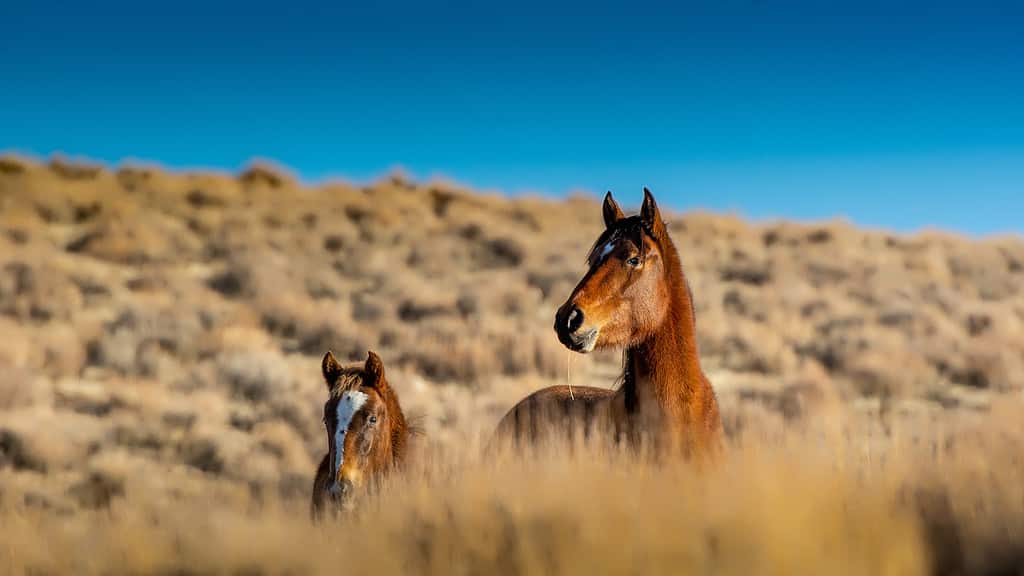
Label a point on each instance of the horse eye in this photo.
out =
(373, 419)
(634, 261)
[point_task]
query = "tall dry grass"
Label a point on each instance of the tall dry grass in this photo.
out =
(831, 497)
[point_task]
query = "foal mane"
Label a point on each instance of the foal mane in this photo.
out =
(350, 379)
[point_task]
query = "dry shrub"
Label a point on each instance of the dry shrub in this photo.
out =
(760, 350)
(56, 439)
(264, 173)
(287, 447)
(97, 491)
(61, 351)
(987, 365)
(14, 453)
(131, 176)
(37, 292)
(444, 356)
(255, 376)
(151, 342)
(72, 169)
(880, 373)
(125, 240)
(13, 165)
(20, 387)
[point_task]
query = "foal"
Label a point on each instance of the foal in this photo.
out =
(635, 297)
(367, 434)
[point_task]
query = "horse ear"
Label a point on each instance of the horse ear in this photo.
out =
(331, 370)
(374, 366)
(650, 216)
(612, 212)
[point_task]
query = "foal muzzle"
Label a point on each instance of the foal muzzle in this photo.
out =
(341, 490)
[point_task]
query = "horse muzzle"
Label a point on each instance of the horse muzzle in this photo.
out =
(341, 491)
(572, 333)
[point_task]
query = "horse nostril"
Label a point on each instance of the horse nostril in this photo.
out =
(575, 320)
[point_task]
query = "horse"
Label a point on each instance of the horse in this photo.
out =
(634, 296)
(367, 433)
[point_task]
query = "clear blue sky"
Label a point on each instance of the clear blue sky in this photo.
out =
(892, 114)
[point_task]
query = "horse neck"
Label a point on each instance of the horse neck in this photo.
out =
(667, 361)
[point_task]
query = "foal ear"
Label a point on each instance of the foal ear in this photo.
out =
(612, 212)
(331, 370)
(650, 216)
(374, 366)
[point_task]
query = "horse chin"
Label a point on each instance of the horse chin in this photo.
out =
(348, 504)
(585, 343)
(342, 495)
(342, 501)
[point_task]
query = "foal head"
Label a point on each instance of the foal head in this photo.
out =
(624, 296)
(364, 424)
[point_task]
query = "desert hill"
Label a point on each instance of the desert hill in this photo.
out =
(162, 331)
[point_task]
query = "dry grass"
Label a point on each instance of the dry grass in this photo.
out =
(830, 498)
(160, 397)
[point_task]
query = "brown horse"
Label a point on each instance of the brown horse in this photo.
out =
(367, 433)
(634, 296)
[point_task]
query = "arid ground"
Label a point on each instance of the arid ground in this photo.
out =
(160, 396)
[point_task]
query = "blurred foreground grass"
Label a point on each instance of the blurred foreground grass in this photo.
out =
(829, 497)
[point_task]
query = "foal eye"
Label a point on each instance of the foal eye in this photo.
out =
(373, 419)
(634, 261)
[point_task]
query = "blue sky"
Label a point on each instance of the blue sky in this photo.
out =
(892, 114)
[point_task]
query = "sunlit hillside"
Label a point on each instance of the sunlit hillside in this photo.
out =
(160, 395)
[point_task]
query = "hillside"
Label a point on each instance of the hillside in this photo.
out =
(162, 331)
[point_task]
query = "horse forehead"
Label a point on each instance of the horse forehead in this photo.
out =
(604, 247)
(607, 249)
(349, 403)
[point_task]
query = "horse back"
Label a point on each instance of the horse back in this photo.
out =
(558, 411)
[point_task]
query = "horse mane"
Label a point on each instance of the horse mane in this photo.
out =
(689, 296)
(626, 381)
(414, 426)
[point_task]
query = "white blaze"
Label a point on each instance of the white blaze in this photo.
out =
(348, 405)
(608, 247)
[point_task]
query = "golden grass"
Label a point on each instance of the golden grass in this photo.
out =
(824, 499)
